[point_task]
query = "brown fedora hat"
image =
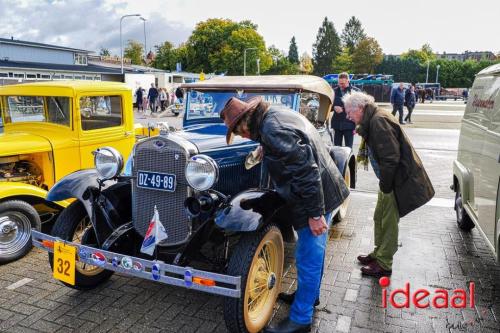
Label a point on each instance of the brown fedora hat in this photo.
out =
(234, 110)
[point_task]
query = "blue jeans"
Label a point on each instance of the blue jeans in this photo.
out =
(309, 260)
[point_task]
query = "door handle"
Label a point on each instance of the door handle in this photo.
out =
(129, 133)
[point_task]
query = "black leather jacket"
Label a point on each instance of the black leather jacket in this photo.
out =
(300, 165)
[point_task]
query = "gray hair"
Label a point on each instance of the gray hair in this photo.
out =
(357, 99)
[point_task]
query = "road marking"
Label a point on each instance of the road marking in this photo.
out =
(18, 284)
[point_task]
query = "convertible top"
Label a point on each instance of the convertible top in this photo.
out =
(308, 83)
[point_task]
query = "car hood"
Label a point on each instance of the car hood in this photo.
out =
(22, 143)
(210, 137)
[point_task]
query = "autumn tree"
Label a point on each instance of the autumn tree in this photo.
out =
(306, 64)
(293, 52)
(281, 64)
(423, 55)
(343, 62)
(326, 48)
(352, 34)
(166, 56)
(366, 56)
(104, 52)
(134, 51)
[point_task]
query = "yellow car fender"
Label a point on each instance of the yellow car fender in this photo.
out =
(17, 189)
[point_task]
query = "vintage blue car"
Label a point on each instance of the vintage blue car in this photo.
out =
(220, 226)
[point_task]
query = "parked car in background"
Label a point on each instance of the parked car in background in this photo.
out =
(222, 225)
(51, 130)
(476, 171)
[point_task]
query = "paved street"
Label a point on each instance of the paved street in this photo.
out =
(433, 254)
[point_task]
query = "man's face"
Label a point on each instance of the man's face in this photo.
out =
(354, 114)
(343, 83)
(401, 86)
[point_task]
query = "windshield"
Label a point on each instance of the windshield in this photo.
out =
(208, 104)
(49, 109)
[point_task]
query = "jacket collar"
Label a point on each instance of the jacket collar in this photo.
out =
(363, 127)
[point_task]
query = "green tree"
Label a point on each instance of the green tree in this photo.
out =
(306, 64)
(326, 48)
(367, 56)
(352, 34)
(104, 52)
(281, 64)
(293, 52)
(423, 55)
(166, 56)
(134, 51)
(217, 45)
(404, 70)
(343, 62)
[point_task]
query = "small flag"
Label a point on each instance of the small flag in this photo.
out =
(155, 234)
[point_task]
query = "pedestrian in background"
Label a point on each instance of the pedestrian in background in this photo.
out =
(179, 94)
(163, 98)
(403, 183)
(410, 101)
(139, 93)
(397, 101)
(343, 127)
(306, 177)
(152, 97)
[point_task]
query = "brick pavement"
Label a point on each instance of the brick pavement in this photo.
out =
(433, 254)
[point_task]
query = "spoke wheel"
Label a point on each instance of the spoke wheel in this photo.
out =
(258, 258)
(84, 231)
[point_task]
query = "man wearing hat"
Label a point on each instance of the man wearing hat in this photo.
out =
(304, 174)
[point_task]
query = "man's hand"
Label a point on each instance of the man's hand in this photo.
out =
(338, 109)
(318, 227)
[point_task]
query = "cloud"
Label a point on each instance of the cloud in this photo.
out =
(86, 24)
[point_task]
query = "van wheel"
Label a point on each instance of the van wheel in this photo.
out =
(342, 213)
(463, 220)
(17, 219)
(258, 258)
(74, 225)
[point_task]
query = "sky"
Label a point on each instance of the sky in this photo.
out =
(447, 25)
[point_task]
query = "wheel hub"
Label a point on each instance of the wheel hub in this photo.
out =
(271, 281)
(8, 229)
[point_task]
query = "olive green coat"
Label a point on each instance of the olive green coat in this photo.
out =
(401, 170)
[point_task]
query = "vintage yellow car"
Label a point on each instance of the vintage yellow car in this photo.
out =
(50, 130)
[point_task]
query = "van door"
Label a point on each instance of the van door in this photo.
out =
(490, 163)
(105, 119)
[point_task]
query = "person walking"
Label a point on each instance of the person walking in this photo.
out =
(138, 98)
(403, 182)
(163, 98)
(179, 94)
(410, 101)
(306, 177)
(342, 126)
(152, 97)
(397, 101)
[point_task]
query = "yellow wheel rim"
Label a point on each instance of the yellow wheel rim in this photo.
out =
(264, 281)
(81, 267)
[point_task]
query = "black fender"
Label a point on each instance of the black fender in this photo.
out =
(344, 158)
(248, 210)
(76, 185)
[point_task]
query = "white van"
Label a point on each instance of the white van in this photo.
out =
(476, 171)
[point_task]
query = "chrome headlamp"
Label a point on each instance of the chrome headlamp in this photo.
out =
(108, 162)
(202, 172)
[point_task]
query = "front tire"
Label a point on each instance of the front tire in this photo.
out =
(258, 258)
(464, 221)
(74, 225)
(17, 219)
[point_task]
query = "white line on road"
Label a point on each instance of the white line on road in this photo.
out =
(18, 284)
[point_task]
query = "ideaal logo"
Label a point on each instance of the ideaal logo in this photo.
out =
(439, 299)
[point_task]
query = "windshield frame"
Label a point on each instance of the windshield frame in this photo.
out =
(217, 120)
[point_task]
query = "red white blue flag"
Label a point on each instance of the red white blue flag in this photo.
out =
(155, 234)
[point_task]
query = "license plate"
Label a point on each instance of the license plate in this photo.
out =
(64, 262)
(156, 181)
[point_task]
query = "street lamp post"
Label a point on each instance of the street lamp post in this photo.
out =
(427, 76)
(245, 59)
(121, 42)
(258, 66)
(437, 73)
(145, 49)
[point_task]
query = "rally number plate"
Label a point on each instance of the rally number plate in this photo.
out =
(64, 262)
(156, 181)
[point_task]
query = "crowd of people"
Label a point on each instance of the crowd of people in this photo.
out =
(157, 99)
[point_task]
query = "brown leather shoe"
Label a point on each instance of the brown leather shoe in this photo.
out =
(365, 259)
(374, 269)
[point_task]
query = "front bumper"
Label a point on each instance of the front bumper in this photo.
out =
(154, 270)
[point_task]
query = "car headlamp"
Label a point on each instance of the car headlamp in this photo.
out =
(202, 172)
(108, 162)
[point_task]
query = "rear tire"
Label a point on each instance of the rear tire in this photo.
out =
(17, 219)
(464, 221)
(258, 258)
(74, 225)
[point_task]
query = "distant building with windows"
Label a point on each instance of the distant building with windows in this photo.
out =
(22, 61)
(468, 55)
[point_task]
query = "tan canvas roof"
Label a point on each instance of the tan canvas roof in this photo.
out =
(264, 82)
